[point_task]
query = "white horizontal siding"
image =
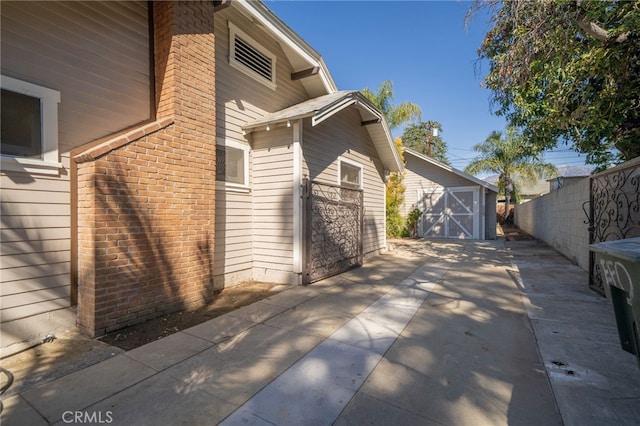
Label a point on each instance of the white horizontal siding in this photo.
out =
(36, 296)
(233, 238)
(39, 222)
(96, 54)
(28, 195)
(19, 260)
(34, 284)
(343, 136)
(33, 236)
(31, 247)
(271, 187)
(420, 175)
(35, 271)
(35, 250)
(240, 98)
(261, 246)
(44, 305)
(273, 200)
(262, 218)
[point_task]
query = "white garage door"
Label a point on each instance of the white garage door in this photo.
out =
(449, 213)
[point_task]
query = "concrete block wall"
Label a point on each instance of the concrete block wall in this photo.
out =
(558, 219)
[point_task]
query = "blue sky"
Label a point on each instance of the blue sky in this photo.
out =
(423, 47)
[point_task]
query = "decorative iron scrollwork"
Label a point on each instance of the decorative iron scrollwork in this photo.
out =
(615, 212)
(334, 229)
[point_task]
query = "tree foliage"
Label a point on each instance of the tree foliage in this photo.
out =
(395, 198)
(567, 71)
(509, 155)
(419, 138)
(396, 115)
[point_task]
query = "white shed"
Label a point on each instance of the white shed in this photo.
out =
(454, 204)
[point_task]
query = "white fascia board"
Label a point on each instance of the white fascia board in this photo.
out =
(287, 36)
(326, 78)
(392, 144)
(385, 126)
(248, 128)
(332, 109)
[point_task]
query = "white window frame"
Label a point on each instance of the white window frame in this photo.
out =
(352, 164)
(232, 186)
(233, 31)
(49, 99)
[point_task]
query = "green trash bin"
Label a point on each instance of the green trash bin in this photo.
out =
(619, 263)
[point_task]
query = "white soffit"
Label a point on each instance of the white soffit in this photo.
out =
(300, 54)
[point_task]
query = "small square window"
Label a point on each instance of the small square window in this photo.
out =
(21, 125)
(29, 129)
(232, 164)
(350, 175)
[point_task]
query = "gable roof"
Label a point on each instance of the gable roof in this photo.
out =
(305, 60)
(451, 169)
(323, 107)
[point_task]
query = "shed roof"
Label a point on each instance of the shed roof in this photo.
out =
(323, 107)
(450, 169)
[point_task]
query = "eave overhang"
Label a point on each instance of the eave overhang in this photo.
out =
(301, 55)
(323, 107)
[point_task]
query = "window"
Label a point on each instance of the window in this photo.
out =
(29, 129)
(248, 56)
(232, 164)
(21, 125)
(350, 175)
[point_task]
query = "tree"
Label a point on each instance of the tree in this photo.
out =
(513, 158)
(567, 71)
(419, 138)
(395, 198)
(396, 115)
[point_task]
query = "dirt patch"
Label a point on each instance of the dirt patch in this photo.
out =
(511, 232)
(72, 351)
(227, 300)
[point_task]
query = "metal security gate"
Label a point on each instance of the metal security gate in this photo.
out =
(333, 229)
(450, 213)
(614, 211)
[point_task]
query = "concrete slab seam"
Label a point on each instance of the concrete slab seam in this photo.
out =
(526, 301)
(320, 385)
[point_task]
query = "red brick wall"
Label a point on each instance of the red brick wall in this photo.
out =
(146, 200)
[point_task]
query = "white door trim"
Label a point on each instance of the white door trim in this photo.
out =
(445, 216)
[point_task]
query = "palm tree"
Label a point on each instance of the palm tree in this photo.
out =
(513, 159)
(396, 115)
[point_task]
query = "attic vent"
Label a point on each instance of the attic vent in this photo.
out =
(250, 57)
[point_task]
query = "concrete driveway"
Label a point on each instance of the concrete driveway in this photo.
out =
(436, 332)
